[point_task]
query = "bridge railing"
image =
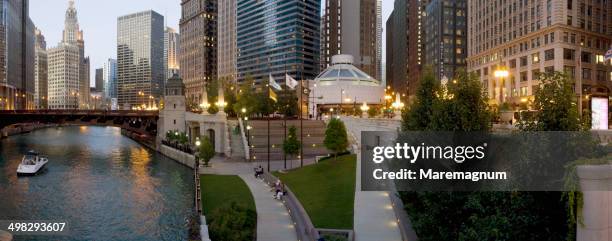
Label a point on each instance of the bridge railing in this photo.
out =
(82, 112)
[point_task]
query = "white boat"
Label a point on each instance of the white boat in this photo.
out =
(31, 163)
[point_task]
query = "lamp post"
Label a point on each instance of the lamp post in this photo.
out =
(501, 73)
(364, 109)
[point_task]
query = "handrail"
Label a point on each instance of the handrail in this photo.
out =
(245, 143)
(304, 228)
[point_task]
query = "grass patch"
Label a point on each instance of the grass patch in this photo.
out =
(326, 190)
(218, 190)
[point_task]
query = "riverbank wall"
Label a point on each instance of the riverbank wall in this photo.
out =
(178, 156)
(22, 128)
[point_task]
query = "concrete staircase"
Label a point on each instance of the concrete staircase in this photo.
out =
(237, 148)
(313, 136)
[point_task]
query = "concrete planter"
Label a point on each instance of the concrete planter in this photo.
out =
(596, 185)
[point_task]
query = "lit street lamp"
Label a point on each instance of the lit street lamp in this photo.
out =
(364, 109)
(501, 73)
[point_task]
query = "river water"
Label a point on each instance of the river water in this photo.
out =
(104, 185)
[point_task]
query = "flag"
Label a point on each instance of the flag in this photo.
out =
(272, 95)
(290, 82)
(608, 55)
(274, 84)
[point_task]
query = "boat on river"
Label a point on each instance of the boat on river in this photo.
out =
(31, 163)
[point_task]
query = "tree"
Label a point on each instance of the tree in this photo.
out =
(421, 113)
(463, 107)
(206, 151)
(232, 222)
(291, 145)
(230, 100)
(212, 92)
(246, 97)
(336, 139)
(287, 103)
(474, 215)
(556, 105)
(373, 111)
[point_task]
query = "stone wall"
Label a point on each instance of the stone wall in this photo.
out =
(179, 156)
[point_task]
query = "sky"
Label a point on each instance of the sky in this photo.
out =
(98, 20)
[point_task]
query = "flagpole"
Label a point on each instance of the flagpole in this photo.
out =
(301, 124)
(268, 118)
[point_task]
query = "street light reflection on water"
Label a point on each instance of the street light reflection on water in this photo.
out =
(100, 182)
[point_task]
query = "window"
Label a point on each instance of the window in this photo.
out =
(523, 76)
(601, 75)
(549, 69)
(599, 59)
(586, 57)
(535, 58)
(535, 74)
(549, 55)
(523, 91)
(586, 74)
(570, 71)
(524, 61)
(513, 63)
(569, 54)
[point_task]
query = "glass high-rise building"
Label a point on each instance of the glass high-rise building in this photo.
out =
(16, 55)
(109, 75)
(140, 58)
(277, 37)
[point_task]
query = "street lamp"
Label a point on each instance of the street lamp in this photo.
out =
(364, 108)
(501, 73)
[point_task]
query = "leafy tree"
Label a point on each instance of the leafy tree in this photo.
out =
(206, 151)
(421, 112)
(291, 145)
(373, 111)
(463, 107)
(474, 215)
(336, 139)
(230, 99)
(246, 97)
(556, 105)
(264, 105)
(287, 102)
(212, 92)
(232, 222)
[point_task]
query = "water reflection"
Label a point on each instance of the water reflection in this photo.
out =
(105, 185)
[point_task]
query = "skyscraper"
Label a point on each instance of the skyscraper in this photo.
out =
(226, 51)
(407, 44)
(110, 78)
(527, 38)
(68, 67)
(140, 65)
(446, 38)
(379, 39)
(198, 55)
(99, 80)
(171, 47)
(16, 55)
(352, 27)
(277, 37)
(41, 74)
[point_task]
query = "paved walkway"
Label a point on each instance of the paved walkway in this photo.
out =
(273, 220)
(374, 216)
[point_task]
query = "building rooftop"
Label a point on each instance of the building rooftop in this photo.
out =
(342, 69)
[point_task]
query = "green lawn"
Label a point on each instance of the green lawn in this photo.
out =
(218, 190)
(326, 190)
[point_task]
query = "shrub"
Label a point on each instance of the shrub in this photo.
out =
(232, 222)
(336, 139)
(206, 150)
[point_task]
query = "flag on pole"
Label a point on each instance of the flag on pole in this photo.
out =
(274, 84)
(290, 82)
(608, 55)
(272, 95)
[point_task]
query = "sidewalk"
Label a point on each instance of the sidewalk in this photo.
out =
(273, 220)
(374, 216)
